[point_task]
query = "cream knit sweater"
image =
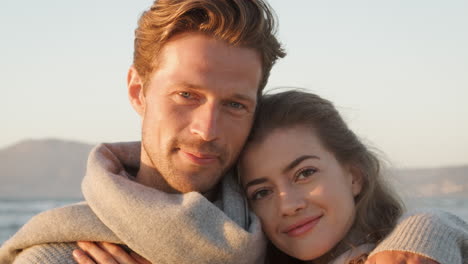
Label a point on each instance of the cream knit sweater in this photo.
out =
(163, 228)
(187, 228)
(435, 234)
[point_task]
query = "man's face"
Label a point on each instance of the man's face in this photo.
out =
(197, 110)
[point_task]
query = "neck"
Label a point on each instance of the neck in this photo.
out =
(353, 239)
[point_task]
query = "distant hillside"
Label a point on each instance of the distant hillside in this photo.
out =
(54, 169)
(43, 168)
(447, 181)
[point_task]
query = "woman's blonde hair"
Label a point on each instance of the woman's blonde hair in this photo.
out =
(377, 207)
(249, 24)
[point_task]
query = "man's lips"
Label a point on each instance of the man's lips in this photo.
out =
(199, 158)
(302, 226)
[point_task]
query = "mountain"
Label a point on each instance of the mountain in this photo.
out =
(446, 181)
(54, 168)
(48, 168)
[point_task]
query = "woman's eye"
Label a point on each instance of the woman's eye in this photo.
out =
(260, 194)
(305, 173)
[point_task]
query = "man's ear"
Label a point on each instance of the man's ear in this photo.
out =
(136, 93)
(357, 180)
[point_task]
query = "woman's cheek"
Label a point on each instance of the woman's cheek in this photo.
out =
(265, 211)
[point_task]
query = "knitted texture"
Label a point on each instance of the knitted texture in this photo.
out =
(163, 228)
(351, 255)
(187, 228)
(47, 254)
(438, 235)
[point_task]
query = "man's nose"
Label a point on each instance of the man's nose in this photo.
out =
(205, 122)
(291, 202)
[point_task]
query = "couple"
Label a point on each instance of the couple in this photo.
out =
(320, 194)
(197, 78)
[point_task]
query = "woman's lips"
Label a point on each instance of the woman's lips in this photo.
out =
(302, 226)
(199, 158)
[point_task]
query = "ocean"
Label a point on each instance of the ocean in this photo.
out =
(15, 213)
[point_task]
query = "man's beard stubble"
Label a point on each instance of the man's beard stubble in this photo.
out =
(169, 179)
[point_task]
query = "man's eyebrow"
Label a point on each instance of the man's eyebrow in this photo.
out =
(297, 161)
(255, 182)
(237, 96)
(188, 85)
(243, 97)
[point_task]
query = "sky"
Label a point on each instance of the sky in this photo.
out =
(396, 70)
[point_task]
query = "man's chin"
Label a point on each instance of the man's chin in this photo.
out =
(197, 186)
(193, 188)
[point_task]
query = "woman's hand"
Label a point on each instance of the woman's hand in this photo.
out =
(400, 257)
(105, 253)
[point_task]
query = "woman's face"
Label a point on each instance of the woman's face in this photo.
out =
(302, 195)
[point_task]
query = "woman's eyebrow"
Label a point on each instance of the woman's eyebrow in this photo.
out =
(296, 162)
(255, 182)
(293, 164)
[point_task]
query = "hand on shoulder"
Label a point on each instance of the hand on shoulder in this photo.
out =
(399, 257)
(105, 253)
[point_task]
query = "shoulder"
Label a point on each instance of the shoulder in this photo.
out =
(433, 219)
(432, 233)
(53, 253)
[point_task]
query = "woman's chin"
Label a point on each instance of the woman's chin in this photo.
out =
(307, 253)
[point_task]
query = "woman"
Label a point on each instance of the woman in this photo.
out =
(316, 188)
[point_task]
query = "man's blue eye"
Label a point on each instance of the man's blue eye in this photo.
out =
(236, 105)
(185, 94)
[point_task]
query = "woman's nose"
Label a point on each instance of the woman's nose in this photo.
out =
(291, 203)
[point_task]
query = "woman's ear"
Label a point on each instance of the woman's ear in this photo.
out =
(357, 180)
(136, 93)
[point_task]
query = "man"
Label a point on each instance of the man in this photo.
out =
(198, 69)
(198, 73)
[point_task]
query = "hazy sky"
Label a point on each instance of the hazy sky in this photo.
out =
(397, 70)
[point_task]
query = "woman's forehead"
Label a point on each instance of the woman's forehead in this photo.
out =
(278, 149)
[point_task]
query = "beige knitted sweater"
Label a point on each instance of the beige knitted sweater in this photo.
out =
(163, 228)
(187, 228)
(435, 234)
